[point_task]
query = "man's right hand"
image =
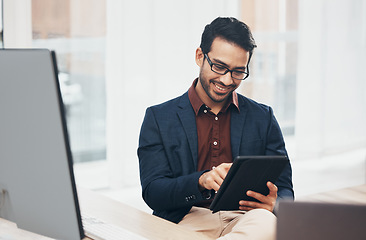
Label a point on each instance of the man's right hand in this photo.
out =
(214, 178)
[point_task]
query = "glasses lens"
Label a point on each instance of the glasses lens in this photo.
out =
(239, 75)
(219, 69)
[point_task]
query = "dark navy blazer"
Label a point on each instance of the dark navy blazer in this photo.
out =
(168, 152)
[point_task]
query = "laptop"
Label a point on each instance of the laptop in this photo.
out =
(37, 186)
(320, 221)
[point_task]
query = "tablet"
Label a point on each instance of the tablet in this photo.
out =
(247, 173)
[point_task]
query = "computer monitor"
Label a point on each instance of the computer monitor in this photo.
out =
(37, 188)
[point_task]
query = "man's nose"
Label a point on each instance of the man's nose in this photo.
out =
(226, 79)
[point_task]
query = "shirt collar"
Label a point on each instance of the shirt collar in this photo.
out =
(197, 103)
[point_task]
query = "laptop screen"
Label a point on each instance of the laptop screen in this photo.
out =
(319, 221)
(37, 185)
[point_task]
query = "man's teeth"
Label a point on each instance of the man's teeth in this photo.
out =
(222, 89)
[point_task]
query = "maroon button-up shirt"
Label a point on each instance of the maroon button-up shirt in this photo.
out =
(213, 131)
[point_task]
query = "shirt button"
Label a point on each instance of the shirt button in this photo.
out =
(205, 111)
(216, 118)
(215, 143)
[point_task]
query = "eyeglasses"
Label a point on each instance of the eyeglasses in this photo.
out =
(222, 70)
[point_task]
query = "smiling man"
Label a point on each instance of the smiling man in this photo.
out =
(187, 144)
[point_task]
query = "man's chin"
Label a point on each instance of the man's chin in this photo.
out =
(220, 98)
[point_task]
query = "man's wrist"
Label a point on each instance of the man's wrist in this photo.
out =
(200, 182)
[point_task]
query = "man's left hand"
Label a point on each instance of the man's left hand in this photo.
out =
(266, 202)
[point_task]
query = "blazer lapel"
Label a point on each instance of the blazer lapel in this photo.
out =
(236, 128)
(188, 120)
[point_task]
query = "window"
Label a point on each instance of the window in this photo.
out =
(76, 31)
(273, 68)
(320, 111)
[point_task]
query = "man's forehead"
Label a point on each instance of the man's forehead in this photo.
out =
(229, 53)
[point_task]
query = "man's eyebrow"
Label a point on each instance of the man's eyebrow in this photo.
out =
(217, 61)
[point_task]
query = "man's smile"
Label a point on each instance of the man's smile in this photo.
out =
(222, 89)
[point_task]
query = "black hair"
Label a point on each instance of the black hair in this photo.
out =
(229, 29)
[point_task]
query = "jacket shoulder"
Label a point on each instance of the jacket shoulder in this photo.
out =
(172, 104)
(248, 104)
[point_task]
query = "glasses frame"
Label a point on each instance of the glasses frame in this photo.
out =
(227, 69)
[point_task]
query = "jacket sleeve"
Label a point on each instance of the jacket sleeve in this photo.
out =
(275, 145)
(163, 188)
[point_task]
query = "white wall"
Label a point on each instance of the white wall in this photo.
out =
(17, 23)
(331, 86)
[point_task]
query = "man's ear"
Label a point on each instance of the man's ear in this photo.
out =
(199, 57)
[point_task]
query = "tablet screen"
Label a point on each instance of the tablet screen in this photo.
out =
(247, 173)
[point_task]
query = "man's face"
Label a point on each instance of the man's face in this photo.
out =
(212, 87)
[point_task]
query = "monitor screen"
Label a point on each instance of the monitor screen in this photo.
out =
(37, 185)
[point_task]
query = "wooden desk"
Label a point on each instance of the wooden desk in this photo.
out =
(152, 227)
(112, 212)
(9, 230)
(351, 195)
(132, 219)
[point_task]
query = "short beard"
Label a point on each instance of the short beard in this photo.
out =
(206, 87)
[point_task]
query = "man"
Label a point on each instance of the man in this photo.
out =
(187, 144)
